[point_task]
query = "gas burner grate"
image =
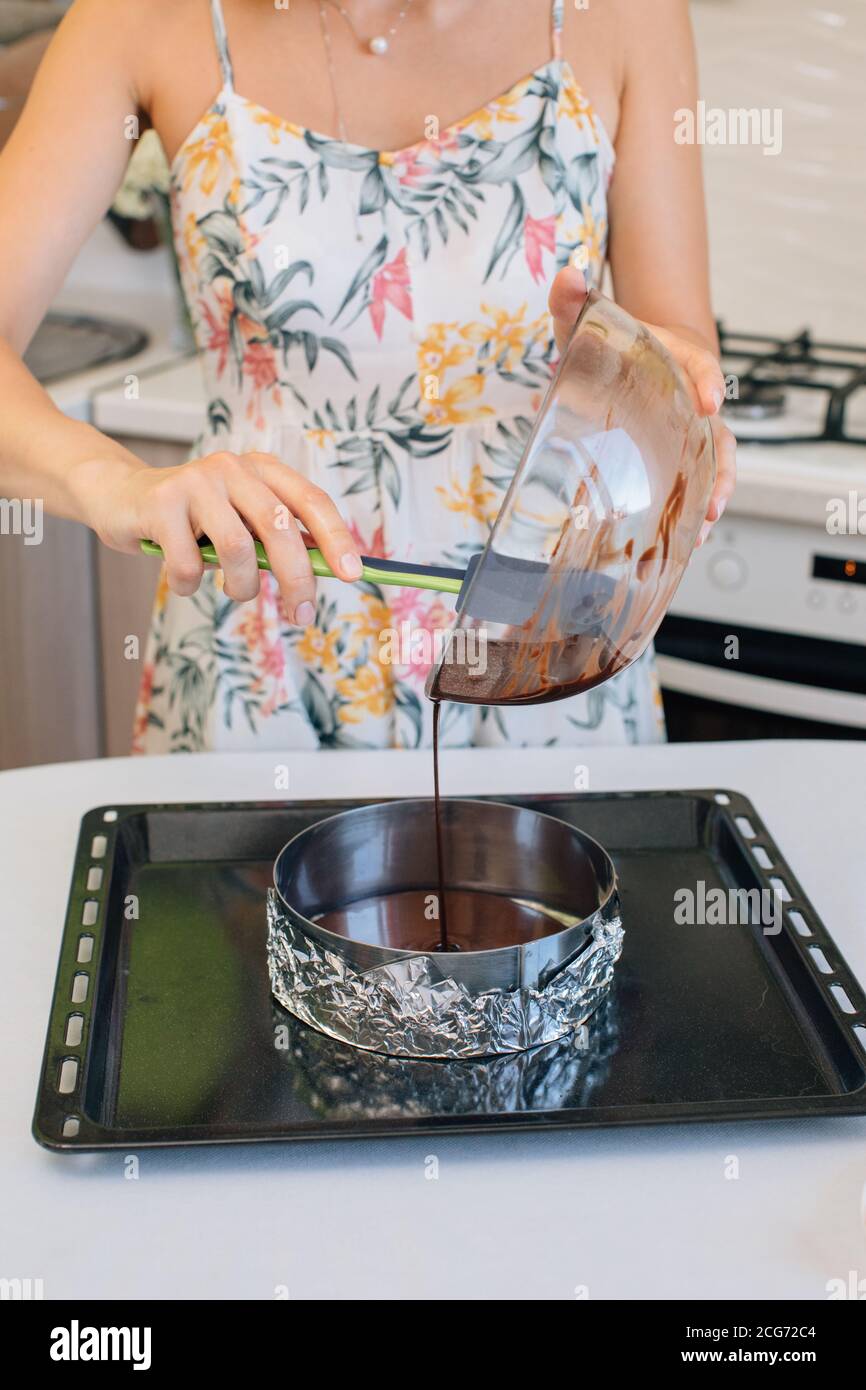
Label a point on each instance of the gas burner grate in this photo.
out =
(767, 368)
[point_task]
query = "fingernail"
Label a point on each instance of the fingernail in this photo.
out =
(722, 505)
(718, 397)
(351, 565)
(304, 614)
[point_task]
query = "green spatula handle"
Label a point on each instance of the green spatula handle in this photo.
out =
(444, 581)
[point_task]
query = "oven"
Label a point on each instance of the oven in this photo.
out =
(766, 637)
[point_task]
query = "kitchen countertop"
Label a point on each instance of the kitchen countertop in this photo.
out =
(637, 1213)
(99, 283)
(172, 407)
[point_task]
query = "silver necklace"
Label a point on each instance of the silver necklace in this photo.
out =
(338, 110)
(379, 44)
(329, 57)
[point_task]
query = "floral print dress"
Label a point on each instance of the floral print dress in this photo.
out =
(377, 320)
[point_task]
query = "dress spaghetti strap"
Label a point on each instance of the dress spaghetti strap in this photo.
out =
(556, 19)
(222, 42)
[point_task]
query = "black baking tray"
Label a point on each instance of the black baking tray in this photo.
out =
(175, 1038)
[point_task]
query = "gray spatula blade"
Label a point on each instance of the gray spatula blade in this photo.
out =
(506, 589)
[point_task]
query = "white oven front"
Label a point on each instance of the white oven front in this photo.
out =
(767, 632)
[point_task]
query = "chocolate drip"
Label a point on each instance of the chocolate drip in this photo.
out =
(437, 811)
(545, 659)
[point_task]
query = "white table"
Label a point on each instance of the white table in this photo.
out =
(629, 1214)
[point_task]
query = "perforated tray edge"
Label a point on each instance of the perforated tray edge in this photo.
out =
(59, 1123)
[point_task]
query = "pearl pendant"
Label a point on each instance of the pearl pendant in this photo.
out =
(379, 45)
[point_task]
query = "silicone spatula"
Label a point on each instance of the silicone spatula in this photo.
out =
(446, 581)
(505, 589)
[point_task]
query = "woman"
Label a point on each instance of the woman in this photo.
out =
(367, 271)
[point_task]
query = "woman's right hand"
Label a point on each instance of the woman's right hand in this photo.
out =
(230, 498)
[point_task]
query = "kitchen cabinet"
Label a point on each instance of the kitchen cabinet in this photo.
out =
(50, 692)
(69, 608)
(126, 585)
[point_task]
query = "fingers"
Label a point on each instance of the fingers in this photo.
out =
(183, 562)
(212, 511)
(704, 371)
(725, 442)
(726, 469)
(283, 543)
(700, 367)
(706, 384)
(162, 514)
(227, 497)
(567, 296)
(312, 506)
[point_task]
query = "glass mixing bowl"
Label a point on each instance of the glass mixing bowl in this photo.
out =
(596, 529)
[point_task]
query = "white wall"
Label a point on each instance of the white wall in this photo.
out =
(788, 234)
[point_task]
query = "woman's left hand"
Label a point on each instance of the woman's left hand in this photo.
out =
(699, 366)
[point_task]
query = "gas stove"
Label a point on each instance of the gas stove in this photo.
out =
(767, 632)
(798, 409)
(786, 391)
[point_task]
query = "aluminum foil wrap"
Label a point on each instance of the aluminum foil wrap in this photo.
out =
(410, 1008)
(345, 1083)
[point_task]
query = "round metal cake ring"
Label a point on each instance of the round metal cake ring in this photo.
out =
(355, 944)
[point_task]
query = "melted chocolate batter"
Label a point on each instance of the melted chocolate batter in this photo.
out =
(467, 920)
(512, 677)
(437, 811)
(546, 658)
(476, 921)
